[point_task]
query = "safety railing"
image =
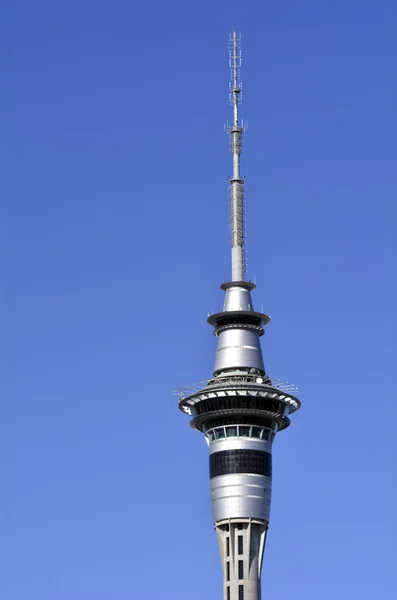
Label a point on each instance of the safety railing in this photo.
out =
(206, 385)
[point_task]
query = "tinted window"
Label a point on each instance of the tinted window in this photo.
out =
(240, 461)
(231, 431)
(256, 432)
(244, 430)
(241, 569)
(240, 544)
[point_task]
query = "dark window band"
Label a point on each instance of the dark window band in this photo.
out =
(240, 461)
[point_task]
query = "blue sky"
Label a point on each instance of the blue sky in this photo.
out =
(115, 243)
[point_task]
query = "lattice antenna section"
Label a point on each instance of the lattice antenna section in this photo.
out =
(235, 85)
(237, 205)
(236, 193)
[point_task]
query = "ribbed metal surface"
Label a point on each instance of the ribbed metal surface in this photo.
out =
(238, 348)
(241, 495)
(237, 298)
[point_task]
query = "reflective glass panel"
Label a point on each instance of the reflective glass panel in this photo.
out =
(244, 430)
(220, 433)
(256, 432)
(240, 460)
(231, 431)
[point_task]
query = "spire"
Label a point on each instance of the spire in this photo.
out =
(236, 191)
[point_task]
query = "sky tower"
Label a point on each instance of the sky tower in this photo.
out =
(241, 408)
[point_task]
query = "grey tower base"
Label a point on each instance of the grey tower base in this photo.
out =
(241, 545)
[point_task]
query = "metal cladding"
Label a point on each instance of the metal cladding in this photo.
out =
(238, 329)
(240, 409)
(238, 348)
(240, 478)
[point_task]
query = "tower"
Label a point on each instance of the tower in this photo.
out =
(240, 409)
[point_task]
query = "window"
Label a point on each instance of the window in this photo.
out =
(236, 420)
(231, 431)
(228, 593)
(267, 434)
(240, 460)
(240, 592)
(220, 433)
(241, 569)
(240, 526)
(244, 430)
(240, 544)
(228, 571)
(256, 432)
(227, 546)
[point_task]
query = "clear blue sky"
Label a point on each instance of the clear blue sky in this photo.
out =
(115, 243)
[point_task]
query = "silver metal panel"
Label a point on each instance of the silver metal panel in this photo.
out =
(238, 348)
(238, 262)
(238, 298)
(241, 495)
(240, 442)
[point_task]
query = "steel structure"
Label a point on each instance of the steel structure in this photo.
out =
(241, 408)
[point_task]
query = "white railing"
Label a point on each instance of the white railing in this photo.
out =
(206, 384)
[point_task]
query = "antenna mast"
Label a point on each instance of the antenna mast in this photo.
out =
(237, 217)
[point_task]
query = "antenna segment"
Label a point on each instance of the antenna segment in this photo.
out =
(236, 192)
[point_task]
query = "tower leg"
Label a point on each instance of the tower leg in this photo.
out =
(241, 544)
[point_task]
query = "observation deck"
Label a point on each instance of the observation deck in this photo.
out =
(245, 395)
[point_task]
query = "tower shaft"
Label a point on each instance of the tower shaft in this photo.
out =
(240, 409)
(241, 545)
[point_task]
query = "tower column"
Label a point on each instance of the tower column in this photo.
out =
(240, 409)
(241, 544)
